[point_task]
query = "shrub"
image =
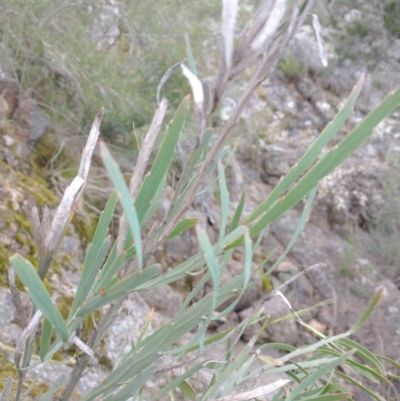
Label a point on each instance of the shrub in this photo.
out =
(113, 269)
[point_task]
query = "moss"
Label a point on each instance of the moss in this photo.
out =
(3, 266)
(7, 369)
(37, 187)
(291, 68)
(85, 228)
(106, 362)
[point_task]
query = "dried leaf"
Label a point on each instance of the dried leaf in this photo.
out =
(16, 298)
(320, 40)
(87, 152)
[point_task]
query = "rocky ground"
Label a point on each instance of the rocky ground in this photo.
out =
(347, 230)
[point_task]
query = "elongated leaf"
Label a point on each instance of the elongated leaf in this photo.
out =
(331, 397)
(125, 199)
(39, 295)
(165, 337)
(94, 249)
(163, 160)
(187, 390)
(174, 383)
(96, 268)
(238, 213)
(45, 339)
(211, 261)
(309, 381)
(211, 340)
(246, 275)
(229, 368)
(330, 161)
(312, 153)
(194, 160)
(367, 312)
(224, 194)
(182, 226)
(49, 395)
(367, 355)
(359, 385)
(189, 55)
(104, 281)
(299, 229)
(118, 291)
(133, 386)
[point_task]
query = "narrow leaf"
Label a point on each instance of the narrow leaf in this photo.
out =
(118, 290)
(39, 295)
(98, 241)
(49, 395)
(312, 153)
(189, 55)
(45, 339)
(310, 380)
(330, 161)
(367, 312)
(211, 261)
(124, 198)
(238, 213)
(187, 390)
(182, 226)
(224, 194)
(163, 160)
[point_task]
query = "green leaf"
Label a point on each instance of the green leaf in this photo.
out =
(299, 228)
(312, 153)
(132, 386)
(195, 158)
(211, 260)
(124, 198)
(310, 380)
(189, 55)
(329, 162)
(45, 339)
(39, 295)
(175, 383)
(215, 338)
(94, 249)
(111, 271)
(367, 355)
(118, 290)
(224, 194)
(86, 286)
(331, 397)
(187, 390)
(182, 226)
(49, 395)
(163, 160)
(359, 385)
(367, 312)
(238, 213)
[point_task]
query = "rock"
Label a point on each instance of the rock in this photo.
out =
(164, 299)
(9, 92)
(32, 123)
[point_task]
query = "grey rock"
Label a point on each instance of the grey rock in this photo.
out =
(31, 121)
